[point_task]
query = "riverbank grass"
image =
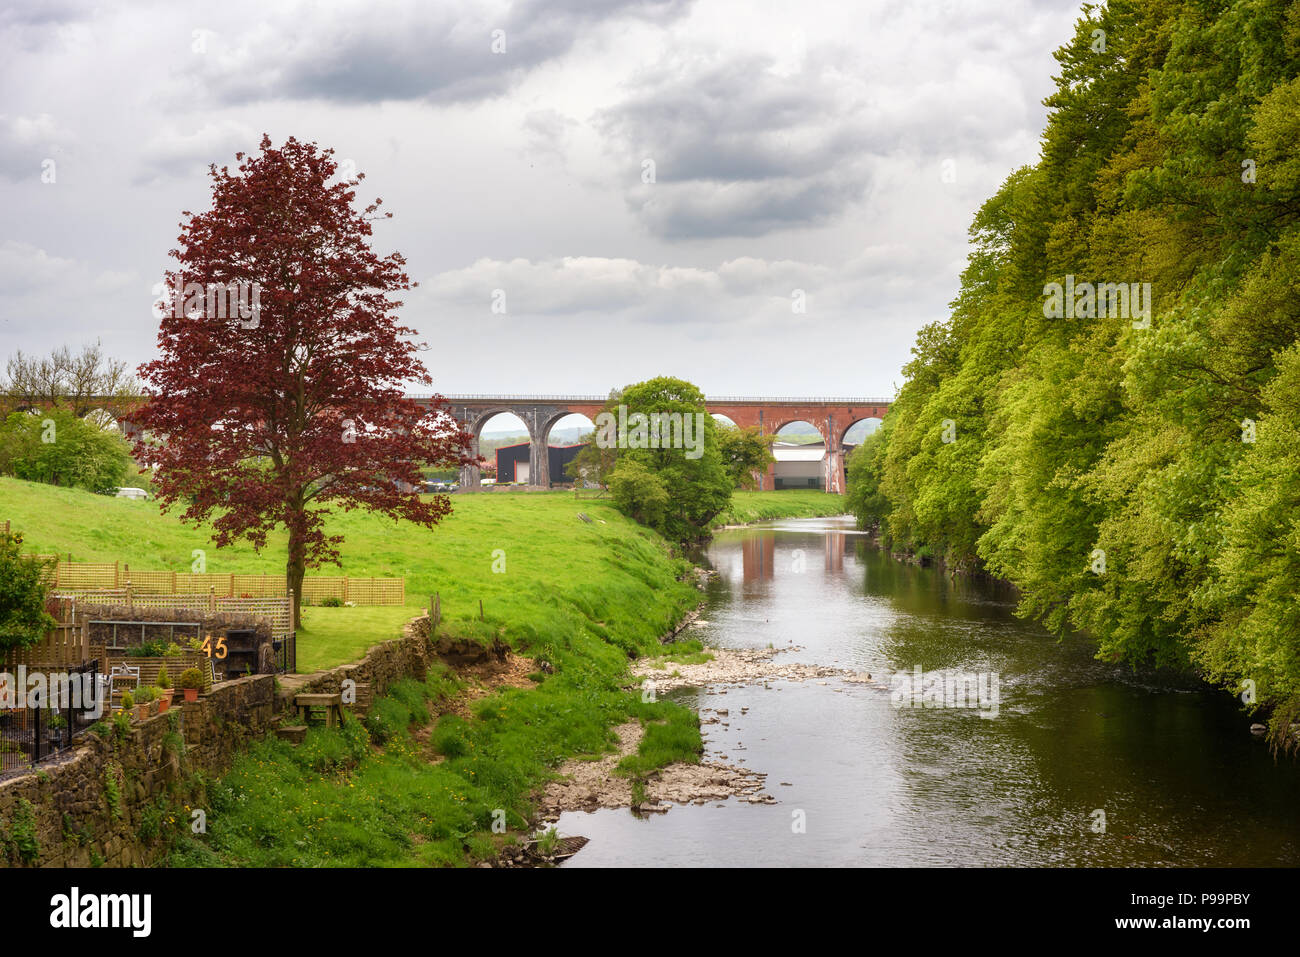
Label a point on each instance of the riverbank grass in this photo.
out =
(747, 507)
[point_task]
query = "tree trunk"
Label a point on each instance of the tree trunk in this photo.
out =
(296, 569)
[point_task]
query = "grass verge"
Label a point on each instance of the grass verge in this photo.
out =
(749, 507)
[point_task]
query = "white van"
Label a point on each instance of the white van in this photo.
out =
(131, 493)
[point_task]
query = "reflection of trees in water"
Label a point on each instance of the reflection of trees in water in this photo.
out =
(931, 587)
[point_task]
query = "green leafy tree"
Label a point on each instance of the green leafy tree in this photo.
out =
(592, 463)
(23, 588)
(640, 493)
(746, 454)
(1135, 480)
(58, 448)
(673, 481)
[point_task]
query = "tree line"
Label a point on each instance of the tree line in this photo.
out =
(1134, 472)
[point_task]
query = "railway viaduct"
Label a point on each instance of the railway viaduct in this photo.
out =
(832, 417)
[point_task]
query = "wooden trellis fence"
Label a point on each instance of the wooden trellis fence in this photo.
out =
(117, 577)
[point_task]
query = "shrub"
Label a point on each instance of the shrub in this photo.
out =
(164, 679)
(112, 792)
(191, 678)
(23, 619)
(23, 832)
(148, 649)
(128, 701)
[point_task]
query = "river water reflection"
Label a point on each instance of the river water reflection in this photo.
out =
(1171, 765)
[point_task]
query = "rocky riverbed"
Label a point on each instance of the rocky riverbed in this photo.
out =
(742, 666)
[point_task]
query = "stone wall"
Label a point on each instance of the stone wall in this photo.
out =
(384, 665)
(62, 813)
(67, 807)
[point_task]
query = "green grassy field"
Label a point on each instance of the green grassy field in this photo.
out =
(789, 503)
(536, 540)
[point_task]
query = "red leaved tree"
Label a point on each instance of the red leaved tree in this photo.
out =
(279, 389)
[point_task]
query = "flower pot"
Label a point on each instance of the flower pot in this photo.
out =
(164, 704)
(141, 712)
(191, 694)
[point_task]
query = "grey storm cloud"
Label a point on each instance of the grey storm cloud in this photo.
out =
(709, 210)
(417, 51)
(734, 120)
(740, 150)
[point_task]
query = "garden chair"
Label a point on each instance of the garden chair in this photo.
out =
(125, 677)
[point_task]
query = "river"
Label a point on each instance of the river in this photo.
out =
(1084, 763)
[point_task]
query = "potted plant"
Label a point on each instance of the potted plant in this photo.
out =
(165, 690)
(128, 702)
(143, 702)
(191, 682)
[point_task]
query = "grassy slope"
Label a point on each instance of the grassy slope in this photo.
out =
(550, 556)
(792, 503)
(583, 596)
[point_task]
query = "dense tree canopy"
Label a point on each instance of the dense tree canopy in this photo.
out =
(666, 471)
(58, 448)
(746, 454)
(1134, 477)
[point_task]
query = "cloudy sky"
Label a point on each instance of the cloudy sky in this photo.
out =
(647, 182)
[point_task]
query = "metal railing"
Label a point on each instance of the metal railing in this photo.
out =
(69, 704)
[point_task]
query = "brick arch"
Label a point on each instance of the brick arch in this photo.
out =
(845, 431)
(819, 426)
(831, 417)
(553, 421)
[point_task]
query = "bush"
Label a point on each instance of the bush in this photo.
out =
(334, 749)
(191, 678)
(85, 455)
(164, 679)
(148, 649)
(128, 701)
(23, 619)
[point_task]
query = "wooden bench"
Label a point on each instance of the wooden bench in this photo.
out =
(330, 706)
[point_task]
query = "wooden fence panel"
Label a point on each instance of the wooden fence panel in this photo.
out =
(65, 645)
(101, 579)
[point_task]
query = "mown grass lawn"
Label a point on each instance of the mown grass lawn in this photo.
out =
(330, 637)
